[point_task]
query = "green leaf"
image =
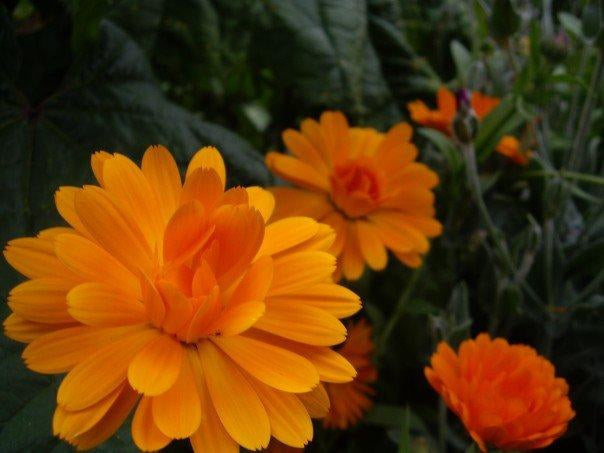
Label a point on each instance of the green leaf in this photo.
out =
(501, 121)
(404, 445)
(505, 21)
(462, 59)
(321, 49)
(571, 23)
(445, 145)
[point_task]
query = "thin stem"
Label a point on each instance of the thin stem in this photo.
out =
(574, 105)
(442, 426)
(567, 174)
(586, 111)
(398, 310)
(474, 183)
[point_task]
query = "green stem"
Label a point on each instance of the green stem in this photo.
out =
(398, 310)
(567, 174)
(442, 426)
(586, 112)
(474, 183)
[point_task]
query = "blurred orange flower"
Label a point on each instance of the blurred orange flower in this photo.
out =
(351, 400)
(511, 148)
(506, 395)
(363, 183)
(446, 108)
(442, 119)
(179, 302)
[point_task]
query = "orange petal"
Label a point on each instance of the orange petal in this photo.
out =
(110, 422)
(236, 402)
(101, 372)
(270, 364)
(301, 147)
(315, 401)
(177, 412)
(92, 263)
(145, 433)
(392, 152)
(20, 329)
(289, 419)
(179, 308)
(129, 188)
(446, 103)
(335, 134)
(296, 171)
(211, 435)
(255, 283)
(371, 246)
(65, 203)
(204, 185)
(291, 202)
(340, 226)
(335, 299)
(58, 352)
(156, 367)
(35, 258)
(416, 174)
(262, 200)
(97, 162)
(163, 176)
(388, 222)
(68, 424)
(237, 318)
(294, 271)
(352, 260)
(302, 323)
(97, 304)
(287, 233)
(186, 232)
(111, 230)
(208, 157)
(41, 300)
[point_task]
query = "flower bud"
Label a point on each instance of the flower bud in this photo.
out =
(465, 124)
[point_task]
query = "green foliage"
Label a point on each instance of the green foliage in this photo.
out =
(78, 76)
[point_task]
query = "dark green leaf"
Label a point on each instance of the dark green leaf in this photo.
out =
(505, 21)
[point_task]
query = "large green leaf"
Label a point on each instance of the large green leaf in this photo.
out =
(321, 48)
(108, 100)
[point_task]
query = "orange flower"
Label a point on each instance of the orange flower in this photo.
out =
(442, 117)
(510, 147)
(363, 183)
(349, 401)
(506, 395)
(179, 301)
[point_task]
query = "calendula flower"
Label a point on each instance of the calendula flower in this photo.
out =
(507, 396)
(442, 117)
(351, 400)
(363, 183)
(180, 301)
(511, 148)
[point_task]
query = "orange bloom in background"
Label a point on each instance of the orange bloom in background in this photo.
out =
(363, 183)
(351, 400)
(179, 302)
(507, 396)
(511, 148)
(442, 117)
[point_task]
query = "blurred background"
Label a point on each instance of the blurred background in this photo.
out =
(82, 75)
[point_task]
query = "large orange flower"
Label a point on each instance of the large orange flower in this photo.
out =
(363, 183)
(442, 117)
(180, 301)
(506, 395)
(350, 400)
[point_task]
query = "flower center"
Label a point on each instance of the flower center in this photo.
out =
(356, 187)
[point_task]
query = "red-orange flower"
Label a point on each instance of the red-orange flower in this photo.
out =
(442, 117)
(351, 400)
(511, 148)
(363, 183)
(506, 395)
